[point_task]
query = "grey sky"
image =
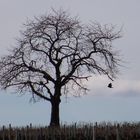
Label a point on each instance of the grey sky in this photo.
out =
(120, 103)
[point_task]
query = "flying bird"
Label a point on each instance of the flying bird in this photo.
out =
(110, 85)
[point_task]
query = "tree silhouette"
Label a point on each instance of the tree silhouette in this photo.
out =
(55, 54)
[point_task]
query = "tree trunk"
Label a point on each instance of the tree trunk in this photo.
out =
(55, 120)
(55, 101)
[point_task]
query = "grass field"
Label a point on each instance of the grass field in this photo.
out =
(81, 131)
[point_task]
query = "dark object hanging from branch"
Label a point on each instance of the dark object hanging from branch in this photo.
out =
(110, 85)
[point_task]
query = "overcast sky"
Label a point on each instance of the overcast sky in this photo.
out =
(122, 103)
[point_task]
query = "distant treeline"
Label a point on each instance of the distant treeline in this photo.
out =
(97, 131)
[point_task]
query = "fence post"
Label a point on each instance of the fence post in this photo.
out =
(3, 132)
(16, 134)
(23, 133)
(106, 131)
(30, 132)
(94, 131)
(10, 128)
(93, 135)
(27, 133)
(41, 133)
(117, 133)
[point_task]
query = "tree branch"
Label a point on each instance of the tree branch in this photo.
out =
(37, 93)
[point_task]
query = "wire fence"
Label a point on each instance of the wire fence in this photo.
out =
(101, 131)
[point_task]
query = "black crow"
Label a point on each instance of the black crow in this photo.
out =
(110, 85)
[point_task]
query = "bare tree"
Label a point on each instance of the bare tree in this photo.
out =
(55, 54)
